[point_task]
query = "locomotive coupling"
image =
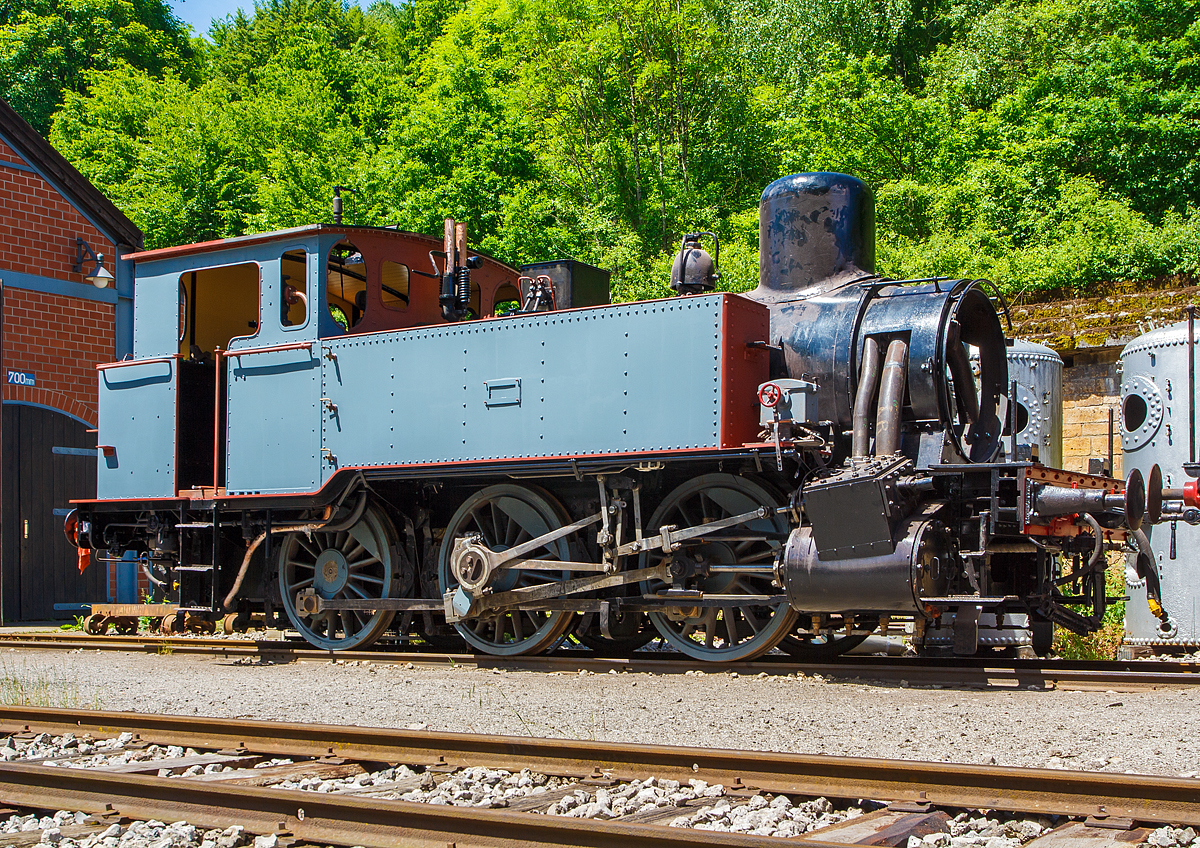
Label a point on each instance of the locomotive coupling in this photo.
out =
(1049, 500)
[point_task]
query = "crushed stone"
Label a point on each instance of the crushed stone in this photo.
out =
(1147, 732)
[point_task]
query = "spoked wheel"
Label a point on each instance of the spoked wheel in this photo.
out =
(96, 625)
(506, 515)
(354, 564)
(731, 631)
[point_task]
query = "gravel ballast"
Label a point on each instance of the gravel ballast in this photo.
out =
(1150, 732)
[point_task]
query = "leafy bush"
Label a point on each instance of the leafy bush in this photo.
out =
(1049, 144)
(1103, 644)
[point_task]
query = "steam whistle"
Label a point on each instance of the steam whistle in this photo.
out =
(455, 295)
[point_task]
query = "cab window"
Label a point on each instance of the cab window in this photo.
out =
(293, 304)
(506, 301)
(393, 285)
(346, 285)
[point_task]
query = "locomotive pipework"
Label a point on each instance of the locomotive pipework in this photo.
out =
(502, 457)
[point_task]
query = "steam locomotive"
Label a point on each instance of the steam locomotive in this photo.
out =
(363, 430)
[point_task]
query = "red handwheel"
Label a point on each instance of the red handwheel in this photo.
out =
(769, 395)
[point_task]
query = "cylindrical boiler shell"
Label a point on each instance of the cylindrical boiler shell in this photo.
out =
(1038, 373)
(1154, 429)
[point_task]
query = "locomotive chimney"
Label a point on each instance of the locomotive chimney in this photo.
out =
(813, 229)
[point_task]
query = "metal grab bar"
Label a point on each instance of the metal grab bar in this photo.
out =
(229, 354)
(218, 433)
(168, 358)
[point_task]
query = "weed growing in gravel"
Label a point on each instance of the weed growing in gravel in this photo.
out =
(27, 686)
(520, 718)
(75, 625)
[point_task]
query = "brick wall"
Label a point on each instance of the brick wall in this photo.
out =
(1090, 389)
(59, 338)
(38, 227)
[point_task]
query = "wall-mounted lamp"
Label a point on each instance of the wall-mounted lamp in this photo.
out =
(99, 276)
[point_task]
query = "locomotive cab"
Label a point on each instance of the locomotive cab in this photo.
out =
(250, 312)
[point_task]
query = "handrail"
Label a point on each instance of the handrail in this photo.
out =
(270, 349)
(218, 433)
(104, 366)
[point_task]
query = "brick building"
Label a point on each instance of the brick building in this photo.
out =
(55, 327)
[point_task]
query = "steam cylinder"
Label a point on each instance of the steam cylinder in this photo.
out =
(1154, 429)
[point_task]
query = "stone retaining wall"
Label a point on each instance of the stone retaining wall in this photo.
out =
(1091, 387)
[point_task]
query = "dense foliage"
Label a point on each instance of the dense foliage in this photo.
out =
(1042, 143)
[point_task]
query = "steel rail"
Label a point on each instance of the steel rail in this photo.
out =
(329, 819)
(1046, 791)
(965, 672)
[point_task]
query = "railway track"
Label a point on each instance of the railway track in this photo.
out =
(1097, 810)
(914, 671)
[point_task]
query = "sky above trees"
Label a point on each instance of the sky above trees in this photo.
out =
(199, 14)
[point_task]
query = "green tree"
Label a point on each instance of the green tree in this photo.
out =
(172, 157)
(645, 116)
(47, 48)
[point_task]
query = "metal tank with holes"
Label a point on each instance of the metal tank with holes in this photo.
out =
(1154, 429)
(1038, 372)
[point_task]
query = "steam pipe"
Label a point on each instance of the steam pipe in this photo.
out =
(891, 399)
(868, 382)
(1148, 571)
(965, 394)
(154, 581)
(1098, 549)
(322, 525)
(1191, 314)
(447, 297)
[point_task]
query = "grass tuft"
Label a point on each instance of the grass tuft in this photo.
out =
(1103, 644)
(41, 686)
